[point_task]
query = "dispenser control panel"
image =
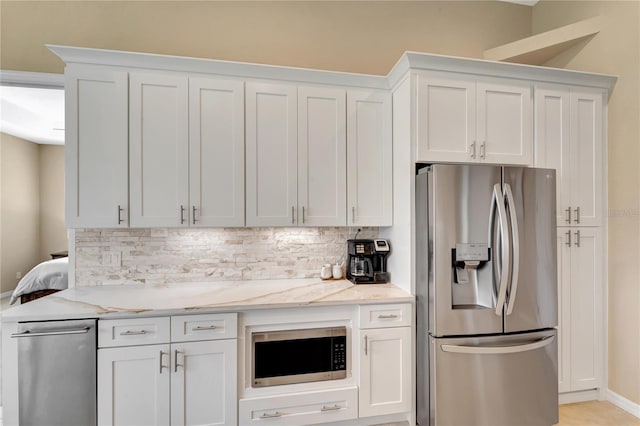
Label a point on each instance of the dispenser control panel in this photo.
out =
(472, 252)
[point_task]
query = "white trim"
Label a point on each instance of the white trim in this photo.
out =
(31, 79)
(622, 402)
(582, 396)
(5, 295)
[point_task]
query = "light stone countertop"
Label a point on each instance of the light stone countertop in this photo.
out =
(120, 301)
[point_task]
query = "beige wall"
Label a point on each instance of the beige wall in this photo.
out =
(53, 234)
(615, 50)
(356, 36)
(19, 209)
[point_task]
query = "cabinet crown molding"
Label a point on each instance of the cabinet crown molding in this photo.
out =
(407, 62)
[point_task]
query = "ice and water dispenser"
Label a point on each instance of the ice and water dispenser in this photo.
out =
(471, 276)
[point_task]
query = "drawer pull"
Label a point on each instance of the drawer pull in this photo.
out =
(204, 328)
(334, 407)
(387, 316)
(271, 415)
(134, 332)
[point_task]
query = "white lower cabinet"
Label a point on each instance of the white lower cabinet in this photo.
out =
(385, 371)
(183, 383)
(304, 408)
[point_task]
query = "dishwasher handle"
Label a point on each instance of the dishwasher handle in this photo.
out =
(28, 333)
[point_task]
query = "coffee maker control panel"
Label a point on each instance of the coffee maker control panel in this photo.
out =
(381, 245)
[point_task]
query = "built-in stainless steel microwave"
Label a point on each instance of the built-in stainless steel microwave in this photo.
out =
(299, 356)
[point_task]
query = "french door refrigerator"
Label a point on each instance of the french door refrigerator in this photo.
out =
(486, 292)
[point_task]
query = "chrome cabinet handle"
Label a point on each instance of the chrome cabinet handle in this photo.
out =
(472, 150)
(134, 332)
(482, 150)
(303, 214)
(389, 316)
(162, 366)
(203, 328)
(353, 215)
(181, 214)
(568, 234)
(51, 333)
(577, 210)
(293, 211)
(193, 210)
(568, 219)
(271, 415)
(334, 407)
(366, 344)
(175, 361)
(120, 210)
(577, 238)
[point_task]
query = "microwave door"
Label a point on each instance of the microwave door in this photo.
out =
(531, 302)
(461, 208)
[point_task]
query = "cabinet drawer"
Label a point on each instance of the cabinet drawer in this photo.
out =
(136, 331)
(188, 328)
(378, 316)
(304, 408)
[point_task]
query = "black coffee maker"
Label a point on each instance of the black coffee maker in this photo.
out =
(367, 261)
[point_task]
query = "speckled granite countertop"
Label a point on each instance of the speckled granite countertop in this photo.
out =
(119, 301)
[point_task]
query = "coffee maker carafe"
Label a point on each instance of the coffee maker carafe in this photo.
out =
(367, 261)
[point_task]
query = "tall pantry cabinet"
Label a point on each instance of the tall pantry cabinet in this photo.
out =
(569, 128)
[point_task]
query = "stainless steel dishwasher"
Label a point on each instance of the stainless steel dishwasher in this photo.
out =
(57, 373)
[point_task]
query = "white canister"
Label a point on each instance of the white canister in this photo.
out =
(337, 271)
(325, 272)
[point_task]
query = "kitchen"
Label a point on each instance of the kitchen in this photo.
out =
(93, 260)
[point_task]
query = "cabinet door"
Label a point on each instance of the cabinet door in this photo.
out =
(586, 308)
(203, 383)
(564, 309)
(552, 147)
(369, 159)
(159, 151)
(271, 164)
(133, 385)
(96, 148)
(446, 119)
(322, 152)
(385, 371)
(586, 157)
(505, 123)
(216, 152)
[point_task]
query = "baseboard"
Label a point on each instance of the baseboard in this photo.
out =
(582, 396)
(6, 294)
(622, 402)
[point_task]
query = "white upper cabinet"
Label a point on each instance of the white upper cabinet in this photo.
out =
(159, 150)
(272, 155)
(322, 152)
(569, 139)
(96, 148)
(462, 119)
(216, 152)
(504, 122)
(369, 158)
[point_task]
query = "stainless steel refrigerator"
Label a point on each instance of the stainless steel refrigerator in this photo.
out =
(486, 291)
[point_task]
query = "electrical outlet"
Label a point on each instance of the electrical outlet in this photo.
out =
(18, 275)
(111, 258)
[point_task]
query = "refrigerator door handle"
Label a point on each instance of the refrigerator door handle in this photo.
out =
(496, 350)
(515, 242)
(498, 199)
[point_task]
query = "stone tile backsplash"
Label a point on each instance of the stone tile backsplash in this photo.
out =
(156, 256)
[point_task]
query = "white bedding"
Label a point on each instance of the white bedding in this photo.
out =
(51, 274)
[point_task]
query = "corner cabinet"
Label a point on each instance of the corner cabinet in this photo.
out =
(96, 147)
(464, 119)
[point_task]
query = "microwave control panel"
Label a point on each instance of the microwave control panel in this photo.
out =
(339, 353)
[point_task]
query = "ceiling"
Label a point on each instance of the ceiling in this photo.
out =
(32, 106)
